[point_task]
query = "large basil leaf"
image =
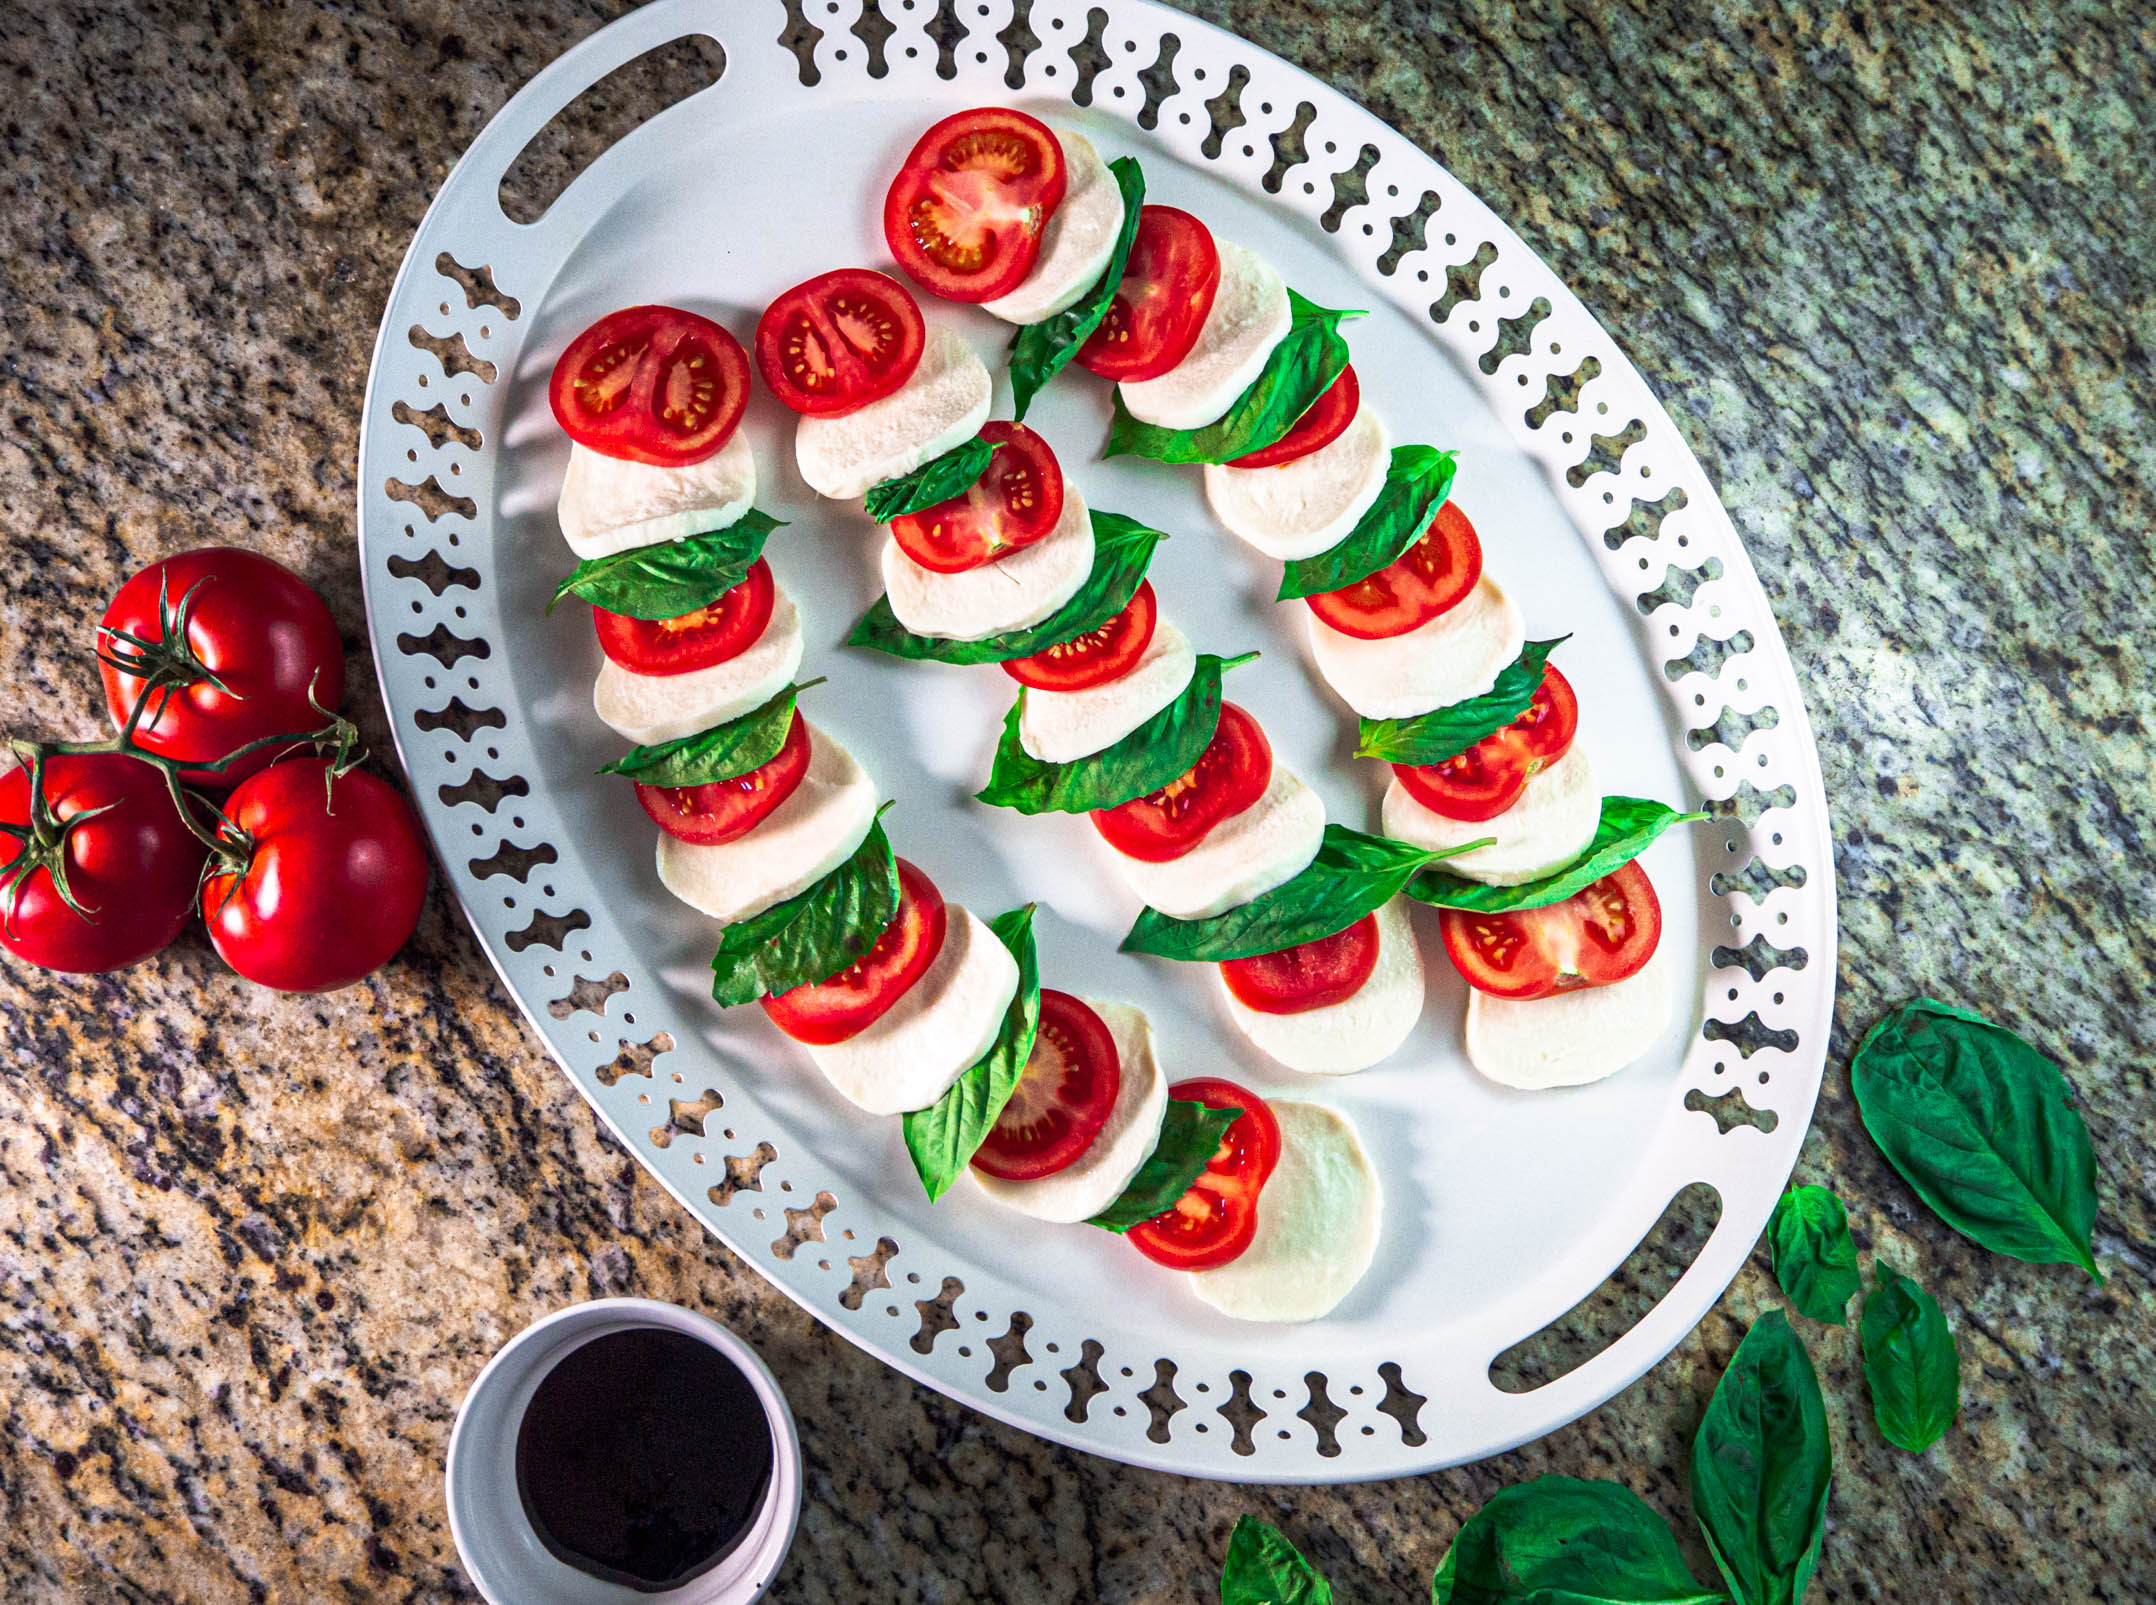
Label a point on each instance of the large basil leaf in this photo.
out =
(1040, 350)
(1629, 825)
(814, 934)
(1909, 1362)
(1122, 549)
(724, 752)
(1762, 1465)
(1263, 1568)
(1561, 1541)
(1155, 753)
(666, 580)
(1815, 1259)
(1416, 485)
(1431, 738)
(1301, 369)
(1190, 1134)
(934, 482)
(1984, 1128)
(944, 1137)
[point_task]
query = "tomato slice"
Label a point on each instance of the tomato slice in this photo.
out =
(1431, 577)
(712, 634)
(1487, 779)
(1167, 289)
(725, 809)
(1324, 421)
(1217, 1218)
(651, 384)
(1592, 938)
(837, 342)
(851, 1001)
(1230, 775)
(1106, 652)
(1309, 975)
(1015, 502)
(965, 214)
(1063, 1098)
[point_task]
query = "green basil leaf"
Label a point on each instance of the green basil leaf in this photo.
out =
(1984, 1128)
(671, 578)
(814, 934)
(1815, 1259)
(1122, 550)
(1301, 369)
(1155, 753)
(1562, 1541)
(1416, 485)
(1762, 1465)
(724, 752)
(944, 1137)
(1040, 350)
(1629, 825)
(935, 481)
(1263, 1568)
(1909, 1362)
(1190, 1134)
(1431, 738)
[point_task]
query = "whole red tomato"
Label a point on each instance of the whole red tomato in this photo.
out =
(131, 870)
(228, 645)
(327, 879)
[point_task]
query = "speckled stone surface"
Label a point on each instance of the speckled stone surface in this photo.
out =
(1891, 271)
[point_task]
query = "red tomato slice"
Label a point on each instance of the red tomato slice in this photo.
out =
(1106, 652)
(1217, 1218)
(725, 809)
(1485, 780)
(839, 341)
(1323, 422)
(1309, 975)
(1593, 938)
(858, 996)
(651, 384)
(712, 634)
(1013, 504)
(1064, 1097)
(1431, 577)
(965, 214)
(1167, 289)
(1230, 775)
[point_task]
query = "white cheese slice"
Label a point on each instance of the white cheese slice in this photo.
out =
(1457, 655)
(943, 402)
(935, 1031)
(1244, 856)
(1064, 726)
(609, 506)
(1358, 1031)
(1077, 243)
(1318, 1221)
(1014, 592)
(1573, 1037)
(1310, 505)
(651, 708)
(1554, 819)
(1097, 1177)
(806, 837)
(1250, 316)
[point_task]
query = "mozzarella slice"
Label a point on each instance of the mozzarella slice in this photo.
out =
(806, 837)
(1249, 317)
(935, 1031)
(1244, 856)
(609, 506)
(1310, 505)
(1572, 1038)
(1013, 593)
(1553, 821)
(944, 402)
(1358, 1031)
(1318, 1220)
(1457, 655)
(1097, 1177)
(1064, 726)
(1077, 243)
(650, 708)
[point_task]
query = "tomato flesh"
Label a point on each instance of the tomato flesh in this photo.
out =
(725, 810)
(1229, 776)
(1106, 652)
(1017, 500)
(839, 341)
(964, 216)
(1431, 577)
(1489, 777)
(1593, 938)
(1063, 1098)
(1215, 1221)
(1309, 975)
(823, 1012)
(712, 634)
(1160, 306)
(651, 384)
(1324, 421)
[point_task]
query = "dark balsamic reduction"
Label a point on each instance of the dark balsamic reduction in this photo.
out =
(643, 1457)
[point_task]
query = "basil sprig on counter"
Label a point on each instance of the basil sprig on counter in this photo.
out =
(1431, 738)
(944, 1137)
(670, 578)
(1629, 825)
(1762, 1465)
(1563, 1539)
(1416, 485)
(724, 752)
(1122, 550)
(1909, 1362)
(1301, 369)
(1263, 1568)
(813, 934)
(1815, 1258)
(1190, 1134)
(1040, 350)
(937, 480)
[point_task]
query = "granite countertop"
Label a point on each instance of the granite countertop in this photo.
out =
(1891, 271)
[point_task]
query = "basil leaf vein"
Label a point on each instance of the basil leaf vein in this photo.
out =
(1563, 1539)
(1815, 1259)
(724, 752)
(944, 1137)
(1762, 1465)
(1431, 738)
(937, 480)
(1909, 1362)
(1190, 1134)
(1417, 482)
(1263, 1568)
(1629, 825)
(670, 578)
(1040, 350)
(812, 935)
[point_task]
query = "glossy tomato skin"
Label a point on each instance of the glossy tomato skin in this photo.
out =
(1062, 1100)
(334, 883)
(255, 625)
(1160, 307)
(965, 214)
(1017, 500)
(824, 1012)
(1309, 975)
(1604, 934)
(1432, 577)
(1229, 776)
(726, 810)
(133, 868)
(711, 635)
(1216, 1220)
(1106, 652)
(1323, 422)
(835, 343)
(1490, 776)
(653, 385)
